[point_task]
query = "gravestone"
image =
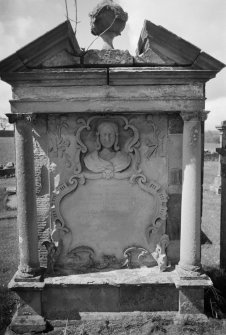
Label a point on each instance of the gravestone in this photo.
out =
(108, 157)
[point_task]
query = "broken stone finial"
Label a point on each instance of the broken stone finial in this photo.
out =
(108, 20)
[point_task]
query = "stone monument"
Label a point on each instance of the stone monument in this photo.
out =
(108, 158)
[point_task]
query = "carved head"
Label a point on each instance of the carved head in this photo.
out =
(107, 136)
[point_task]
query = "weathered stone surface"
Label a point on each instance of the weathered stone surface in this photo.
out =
(114, 210)
(149, 57)
(175, 124)
(117, 291)
(167, 44)
(35, 53)
(175, 177)
(108, 57)
(27, 324)
(191, 300)
(148, 298)
(174, 163)
(28, 315)
(157, 75)
(59, 89)
(136, 277)
(174, 216)
(61, 59)
(204, 61)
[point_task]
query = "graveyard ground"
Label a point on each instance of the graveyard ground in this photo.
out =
(215, 299)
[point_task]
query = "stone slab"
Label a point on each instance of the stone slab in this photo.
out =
(43, 91)
(106, 105)
(66, 303)
(143, 276)
(148, 298)
(114, 291)
(63, 77)
(108, 58)
(157, 75)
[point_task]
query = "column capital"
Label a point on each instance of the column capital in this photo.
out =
(27, 117)
(194, 115)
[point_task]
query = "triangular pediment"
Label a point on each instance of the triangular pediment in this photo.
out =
(56, 48)
(172, 50)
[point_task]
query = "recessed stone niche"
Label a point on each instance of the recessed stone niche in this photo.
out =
(110, 202)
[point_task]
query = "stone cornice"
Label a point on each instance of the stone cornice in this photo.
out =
(120, 76)
(66, 77)
(157, 75)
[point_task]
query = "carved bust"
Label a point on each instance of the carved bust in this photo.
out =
(108, 20)
(107, 157)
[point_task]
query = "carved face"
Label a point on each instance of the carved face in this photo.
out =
(107, 135)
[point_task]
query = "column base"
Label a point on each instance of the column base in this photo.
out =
(36, 276)
(190, 272)
(191, 286)
(28, 317)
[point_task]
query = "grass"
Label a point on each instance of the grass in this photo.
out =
(211, 218)
(210, 260)
(8, 266)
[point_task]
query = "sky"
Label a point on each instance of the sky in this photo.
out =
(201, 22)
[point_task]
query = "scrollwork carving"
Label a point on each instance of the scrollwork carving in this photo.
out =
(119, 162)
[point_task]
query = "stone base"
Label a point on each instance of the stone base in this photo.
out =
(133, 323)
(27, 324)
(110, 295)
(114, 291)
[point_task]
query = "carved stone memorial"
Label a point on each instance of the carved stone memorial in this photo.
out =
(108, 166)
(108, 212)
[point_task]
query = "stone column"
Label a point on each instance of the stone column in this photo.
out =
(190, 248)
(222, 173)
(29, 267)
